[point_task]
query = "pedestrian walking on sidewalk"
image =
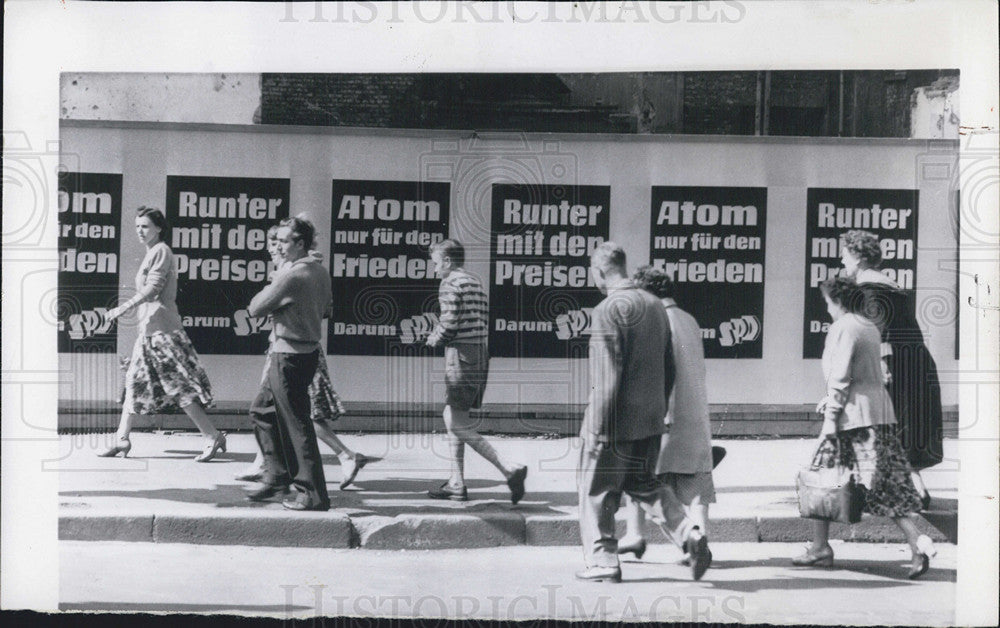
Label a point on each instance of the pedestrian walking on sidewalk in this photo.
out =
(859, 422)
(462, 329)
(164, 372)
(631, 377)
(298, 298)
(324, 402)
(912, 373)
(686, 453)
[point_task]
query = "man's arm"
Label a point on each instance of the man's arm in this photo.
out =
(447, 326)
(274, 296)
(605, 374)
(669, 365)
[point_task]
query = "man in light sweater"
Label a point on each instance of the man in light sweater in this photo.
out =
(297, 299)
(463, 331)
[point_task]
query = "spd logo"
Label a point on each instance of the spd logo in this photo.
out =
(417, 328)
(89, 323)
(739, 330)
(573, 323)
(245, 325)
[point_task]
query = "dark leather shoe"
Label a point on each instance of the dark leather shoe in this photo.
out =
(516, 484)
(302, 502)
(697, 548)
(600, 574)
(447, 491)
(638, 548)
(921, 559)
(718, 453)
(267, 491)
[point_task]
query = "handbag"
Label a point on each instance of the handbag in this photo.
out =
(830, 494)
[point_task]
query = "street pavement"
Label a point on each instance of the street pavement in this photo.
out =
(748, 582)
(159, 494)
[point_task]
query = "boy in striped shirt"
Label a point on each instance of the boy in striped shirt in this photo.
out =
(462, 329)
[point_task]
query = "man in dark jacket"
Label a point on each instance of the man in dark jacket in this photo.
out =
(631, 375)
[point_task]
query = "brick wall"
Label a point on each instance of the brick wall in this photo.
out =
(720, 103)
(803, 103)
(362, 100)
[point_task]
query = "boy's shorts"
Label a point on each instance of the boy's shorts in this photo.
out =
(466, 367)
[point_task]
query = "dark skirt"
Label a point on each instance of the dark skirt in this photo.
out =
(164, 375)
(916, 398)
(883, 467)
(915, 388)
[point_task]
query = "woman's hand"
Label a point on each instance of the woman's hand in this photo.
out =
(115, 313)
(886, 373)
(821, 406)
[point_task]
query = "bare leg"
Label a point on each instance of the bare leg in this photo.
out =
(457, 449)
(918, 483)
(821, 535)
(698, 512)
(634, 521)
(332, 441)
(458, 425)
(908, 525)
(125, 425)
(200, 418)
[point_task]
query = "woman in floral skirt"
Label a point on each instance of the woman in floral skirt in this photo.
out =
(164, 372)
(859, 422)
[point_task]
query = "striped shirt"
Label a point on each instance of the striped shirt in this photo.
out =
(463, 310)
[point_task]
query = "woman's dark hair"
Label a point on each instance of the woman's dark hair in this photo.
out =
(654, 280)
(452, 249)
(842, 291)
(302, 229)
(864, 245)
(156, 217)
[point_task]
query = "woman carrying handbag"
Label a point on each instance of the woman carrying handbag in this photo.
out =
(858, 429)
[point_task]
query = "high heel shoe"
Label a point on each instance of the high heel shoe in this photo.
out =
(123, 446)
(218, 444)
(822, 558)
(921, 558)
(638, 548)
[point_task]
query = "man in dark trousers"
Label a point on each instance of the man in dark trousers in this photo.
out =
(297, 300)
(631, 375)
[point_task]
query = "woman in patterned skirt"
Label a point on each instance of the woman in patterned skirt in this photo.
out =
(859, 423)
(912, 375)
(164, 372)
(324, 402)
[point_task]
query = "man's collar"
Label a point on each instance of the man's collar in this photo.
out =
(622, 283)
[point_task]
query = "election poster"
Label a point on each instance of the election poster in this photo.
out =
(710, 241)
(90, 213)
(384, 285)
(541, 291)
(219, 239)
(889, 214)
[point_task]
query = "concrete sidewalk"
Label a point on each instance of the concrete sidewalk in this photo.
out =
(159, 494)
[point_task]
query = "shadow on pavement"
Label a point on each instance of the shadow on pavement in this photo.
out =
(328, 459)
